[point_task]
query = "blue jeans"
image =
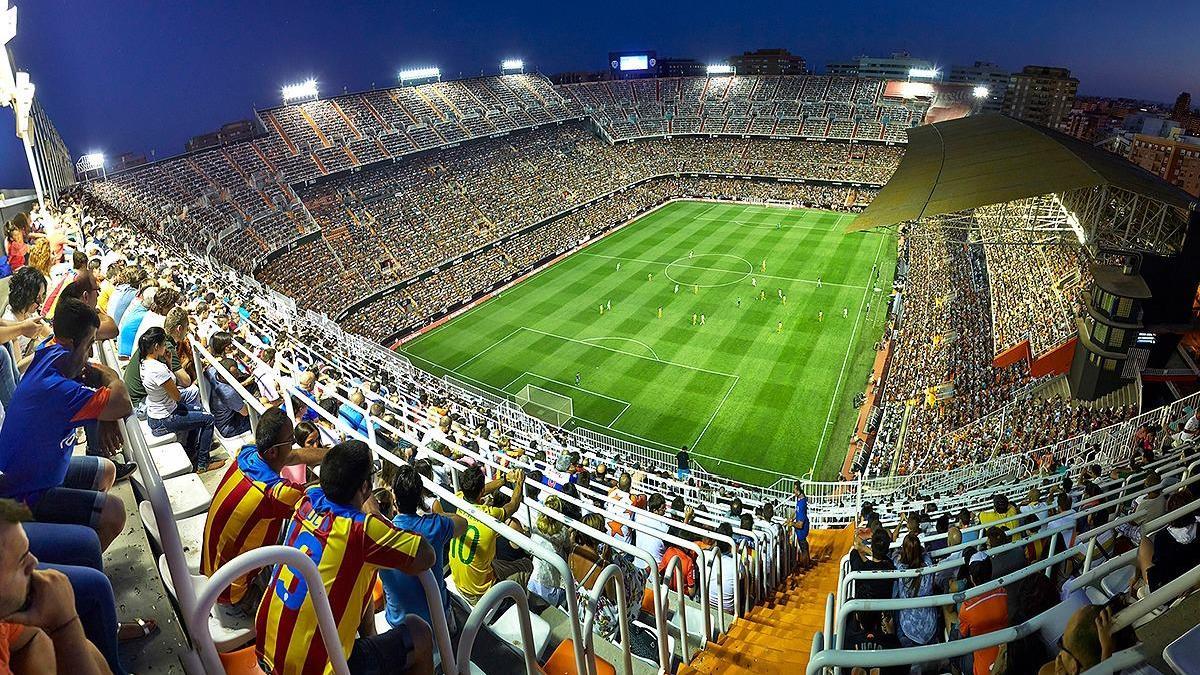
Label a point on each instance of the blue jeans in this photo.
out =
(9, 376)
(195, 430)
(74, 550)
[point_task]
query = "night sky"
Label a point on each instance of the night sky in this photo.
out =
(126, 75)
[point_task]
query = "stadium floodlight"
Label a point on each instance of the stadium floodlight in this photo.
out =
(430, 73)
(512, 66)
(981, 92)
(92, 161)
(305, 89)
(923, 73)
(720, 69)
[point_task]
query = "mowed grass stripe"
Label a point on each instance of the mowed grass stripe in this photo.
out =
(770, 409)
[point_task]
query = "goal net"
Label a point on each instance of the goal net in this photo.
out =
(545, 405)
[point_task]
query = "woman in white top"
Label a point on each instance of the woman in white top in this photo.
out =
(167, 409)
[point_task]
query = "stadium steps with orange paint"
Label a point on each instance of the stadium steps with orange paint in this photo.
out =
(775, 637)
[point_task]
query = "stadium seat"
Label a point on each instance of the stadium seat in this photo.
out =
(191, 533)
(508, 628)
(170, 459)
(151, 439)
(562, 662)
(230, 628)
(187, 494)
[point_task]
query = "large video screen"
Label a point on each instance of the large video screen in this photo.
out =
(638, 62)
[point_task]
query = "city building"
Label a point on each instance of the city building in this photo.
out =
(768, 62)
(983, 74)
(1149, 124)
(672, 67)
(1040, 94)
(1183, 107)
(898, 66)
(1175, 160)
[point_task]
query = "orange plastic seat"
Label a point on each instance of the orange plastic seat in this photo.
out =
(648, 601)
(562, 662)
(241, 662)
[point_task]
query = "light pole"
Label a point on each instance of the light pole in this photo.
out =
(16, 91)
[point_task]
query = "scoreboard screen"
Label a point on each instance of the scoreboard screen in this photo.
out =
(634, 62)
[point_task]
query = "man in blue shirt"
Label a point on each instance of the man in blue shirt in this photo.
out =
(404, 592)
(60, 392)
(800, 521)
(132, 319)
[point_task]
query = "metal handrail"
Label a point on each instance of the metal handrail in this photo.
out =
(487, 605)
(610, 573)
(248, 562)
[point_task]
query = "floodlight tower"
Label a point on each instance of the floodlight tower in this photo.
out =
(512, 66)
(16, 90)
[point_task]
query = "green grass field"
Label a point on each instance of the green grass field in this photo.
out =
(743, 393)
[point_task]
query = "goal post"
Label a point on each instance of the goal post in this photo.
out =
(545, 405)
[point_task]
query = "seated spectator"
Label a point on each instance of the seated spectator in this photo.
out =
(877, 558)
(351, 413)
(26, 293)
(404, 593)
(1004, 562)
(983, 614)
(40, 627)
(170, 409)
(229, 410)
(336, 526)
(1001, 510)
(165, 300)
(1063, 521)
(721, 588)
(473, 562)
(965, 521)
(1087, 641)
(126, 289)
(61, 391)
(871, 631)
(1173, 550)
(653, 545)
(687, 563)
(253, 502)
(545, 579)
(918, 625)
(588, 558)
(132, 319)
(183, 379)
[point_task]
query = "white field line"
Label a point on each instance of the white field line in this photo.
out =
(455, 369)
(842, 374)
(714, 269)
(714, 415)
(621, 351)
(639, 342)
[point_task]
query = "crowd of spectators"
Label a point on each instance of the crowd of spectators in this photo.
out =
(57, 609)
(1035, 289)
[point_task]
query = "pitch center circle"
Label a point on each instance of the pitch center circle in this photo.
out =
(686, 266)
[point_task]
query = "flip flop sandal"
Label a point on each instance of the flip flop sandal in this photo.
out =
(128, 631)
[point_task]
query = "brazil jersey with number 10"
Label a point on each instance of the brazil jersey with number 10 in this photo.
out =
(471, 555)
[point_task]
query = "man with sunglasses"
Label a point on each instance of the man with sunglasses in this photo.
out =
(253, 502)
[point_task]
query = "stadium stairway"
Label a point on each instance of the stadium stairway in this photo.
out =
(776, 636)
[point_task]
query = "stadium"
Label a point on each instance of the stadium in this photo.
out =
(719, 373)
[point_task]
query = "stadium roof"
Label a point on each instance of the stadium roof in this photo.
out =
(991, 159)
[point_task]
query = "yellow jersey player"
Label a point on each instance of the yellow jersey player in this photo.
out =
(660, 311)
(779, 327)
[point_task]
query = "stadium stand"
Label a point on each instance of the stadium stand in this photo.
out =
(1100, 495)
(994, 527)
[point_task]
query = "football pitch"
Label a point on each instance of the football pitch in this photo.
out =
(764, 383)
